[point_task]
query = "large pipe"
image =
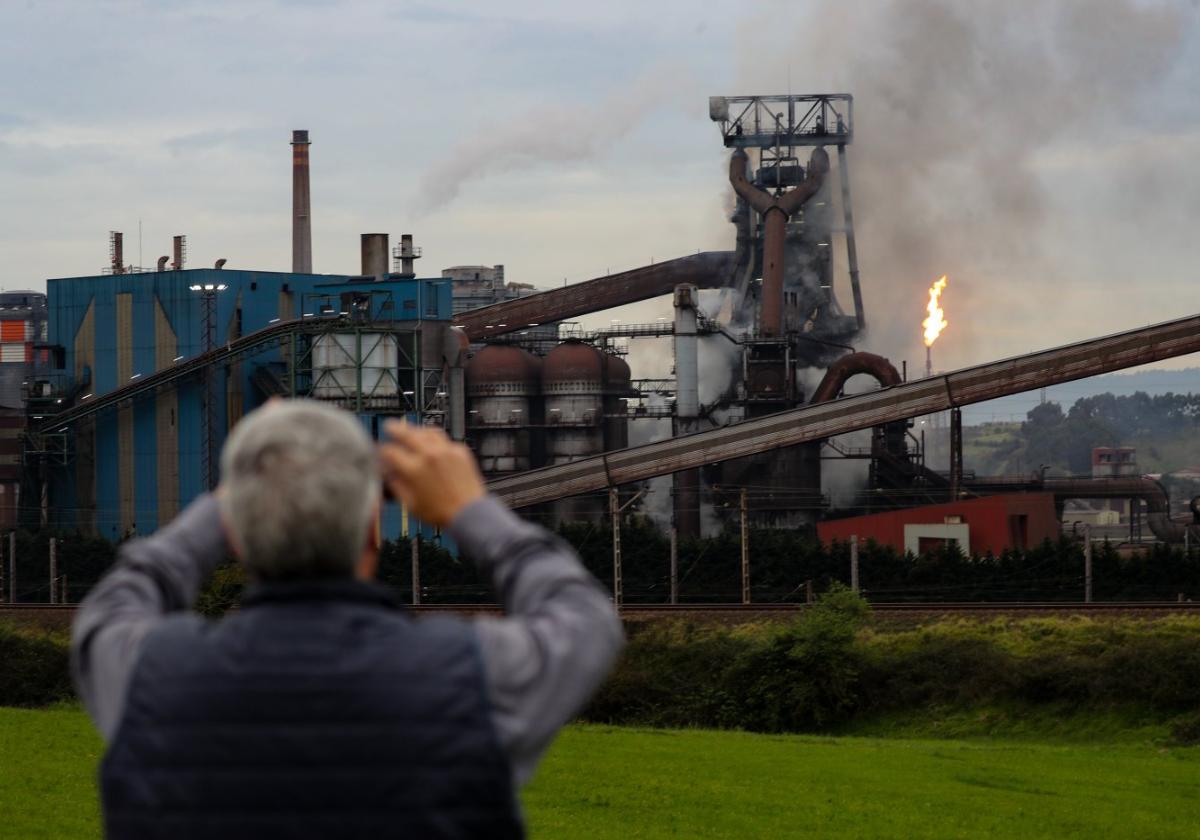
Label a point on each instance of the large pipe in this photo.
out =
(776, 210)
(851, 365)
(375, 255)
(687, 406)
(178, 248)
(301, 205)
(707, 270)
(830, 388)
(457, 345)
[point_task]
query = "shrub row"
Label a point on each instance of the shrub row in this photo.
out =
(828, 668)
(34, 667)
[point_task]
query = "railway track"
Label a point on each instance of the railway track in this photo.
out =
(969, 607)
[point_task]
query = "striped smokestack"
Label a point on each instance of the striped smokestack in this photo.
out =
(301, 205)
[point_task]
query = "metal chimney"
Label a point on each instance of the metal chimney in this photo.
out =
(301, 205)
(116, 251)
(179, 249)
(375, 255)
(405, 254)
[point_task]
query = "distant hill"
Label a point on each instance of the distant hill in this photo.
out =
(1153, 382)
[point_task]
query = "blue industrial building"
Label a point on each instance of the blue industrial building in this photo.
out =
(378, 345)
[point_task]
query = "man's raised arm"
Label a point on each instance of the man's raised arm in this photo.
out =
(560, 635)
(152, 577)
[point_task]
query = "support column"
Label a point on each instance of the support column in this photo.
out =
(1087, 564)
(415, 543)
(614, 507)
(851, 249)
(687, 406)
(674, 566)
(854, 562)
(53, 570)
(956, 453)
(745, 550)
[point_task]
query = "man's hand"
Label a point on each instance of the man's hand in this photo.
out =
(434, 476)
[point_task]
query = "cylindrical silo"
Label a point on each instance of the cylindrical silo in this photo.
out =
(617, 387)
(502, 383)
(573, 386)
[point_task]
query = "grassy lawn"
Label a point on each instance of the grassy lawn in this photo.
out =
(601, 782)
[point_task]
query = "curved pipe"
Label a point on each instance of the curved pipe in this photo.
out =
(851, 365)
(775, 211)
(219, 264)
(162, 263)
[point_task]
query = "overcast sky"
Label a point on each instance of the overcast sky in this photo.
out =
(1044, 154)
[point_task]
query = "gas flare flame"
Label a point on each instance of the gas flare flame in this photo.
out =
(936, 322)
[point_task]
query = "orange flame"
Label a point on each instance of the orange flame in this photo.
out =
(936, 322)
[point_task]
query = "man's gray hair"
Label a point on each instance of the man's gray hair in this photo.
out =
(300, 484)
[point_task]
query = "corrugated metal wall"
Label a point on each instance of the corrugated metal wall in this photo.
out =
(136, 466)
(166, 427)
(125, 452)
(85, 432)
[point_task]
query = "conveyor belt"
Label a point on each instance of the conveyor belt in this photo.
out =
(708, 270)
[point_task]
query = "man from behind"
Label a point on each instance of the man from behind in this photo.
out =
(321, 708)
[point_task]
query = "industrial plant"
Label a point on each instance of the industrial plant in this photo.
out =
(117, 390)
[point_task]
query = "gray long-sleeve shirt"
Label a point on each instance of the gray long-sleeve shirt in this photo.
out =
(542, 660)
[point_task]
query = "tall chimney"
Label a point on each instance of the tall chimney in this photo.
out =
(179, 249)
(301, 205)
(406, 254)
(375, 255)
(116, 251)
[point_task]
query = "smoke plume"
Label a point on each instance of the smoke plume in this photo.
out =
(547, 135)
(959, 110)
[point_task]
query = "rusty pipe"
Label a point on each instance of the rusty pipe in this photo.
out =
(776, 210)
(851, 365)
(162, 263)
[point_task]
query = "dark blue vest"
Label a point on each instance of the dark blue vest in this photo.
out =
(317, 710)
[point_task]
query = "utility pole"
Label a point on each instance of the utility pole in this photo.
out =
(854, 562)
(12, 567)
(53, 570)
(615, 509)
(414, 541)
(1087, 564)
(745, 552)
(808, 591)
(674, 565)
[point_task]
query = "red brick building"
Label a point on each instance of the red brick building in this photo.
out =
(977, 526)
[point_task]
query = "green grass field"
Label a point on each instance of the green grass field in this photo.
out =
(602, 782)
